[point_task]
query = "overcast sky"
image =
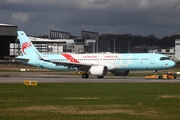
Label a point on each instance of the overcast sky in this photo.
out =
(137, 17)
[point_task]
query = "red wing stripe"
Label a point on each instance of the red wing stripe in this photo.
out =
(70, 58)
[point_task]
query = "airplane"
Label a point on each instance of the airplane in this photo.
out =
(96, 64)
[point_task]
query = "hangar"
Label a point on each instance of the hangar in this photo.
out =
(8, 34)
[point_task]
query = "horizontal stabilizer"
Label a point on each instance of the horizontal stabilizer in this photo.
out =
(22, 58)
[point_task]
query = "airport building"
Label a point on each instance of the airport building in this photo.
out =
(56, 45)
(173, 52)
(170, 52)
(177, 49)
(48, 46)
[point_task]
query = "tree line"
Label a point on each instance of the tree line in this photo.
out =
(123, 40)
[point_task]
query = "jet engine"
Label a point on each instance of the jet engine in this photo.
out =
(120, 72)
(98, 70)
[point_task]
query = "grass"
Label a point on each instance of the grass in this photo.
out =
(89, 101)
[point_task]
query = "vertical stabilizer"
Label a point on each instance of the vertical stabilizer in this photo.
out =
(27, 47)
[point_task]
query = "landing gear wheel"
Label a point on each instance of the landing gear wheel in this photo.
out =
(160, 77)
(85, 75)
(100, 76)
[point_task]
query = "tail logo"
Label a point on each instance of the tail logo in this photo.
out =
(26, 45)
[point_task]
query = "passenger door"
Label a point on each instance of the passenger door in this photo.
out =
(152, 59)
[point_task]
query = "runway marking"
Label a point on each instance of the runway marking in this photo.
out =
(169, 96)
(80, 98)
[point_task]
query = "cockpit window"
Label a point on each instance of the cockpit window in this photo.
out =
(164, 58)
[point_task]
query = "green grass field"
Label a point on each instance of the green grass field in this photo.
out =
(90, 101)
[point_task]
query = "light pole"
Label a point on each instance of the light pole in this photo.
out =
(114, 45)
(108, 47)
(129, 46)
(97, 45)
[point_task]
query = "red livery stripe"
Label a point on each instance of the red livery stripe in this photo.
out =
(70, 58)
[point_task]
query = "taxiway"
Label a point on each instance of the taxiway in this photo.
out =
(71, 79)
(66, 77)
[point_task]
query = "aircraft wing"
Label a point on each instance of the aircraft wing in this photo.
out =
(79, 66)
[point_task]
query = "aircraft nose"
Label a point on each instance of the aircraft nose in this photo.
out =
(172, 64)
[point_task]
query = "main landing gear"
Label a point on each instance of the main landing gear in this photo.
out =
(85, 75)
(100, 76)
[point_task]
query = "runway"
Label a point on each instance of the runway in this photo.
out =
(71, 79)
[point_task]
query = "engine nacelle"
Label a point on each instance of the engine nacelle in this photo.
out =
(120, 72)
(98, 70)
